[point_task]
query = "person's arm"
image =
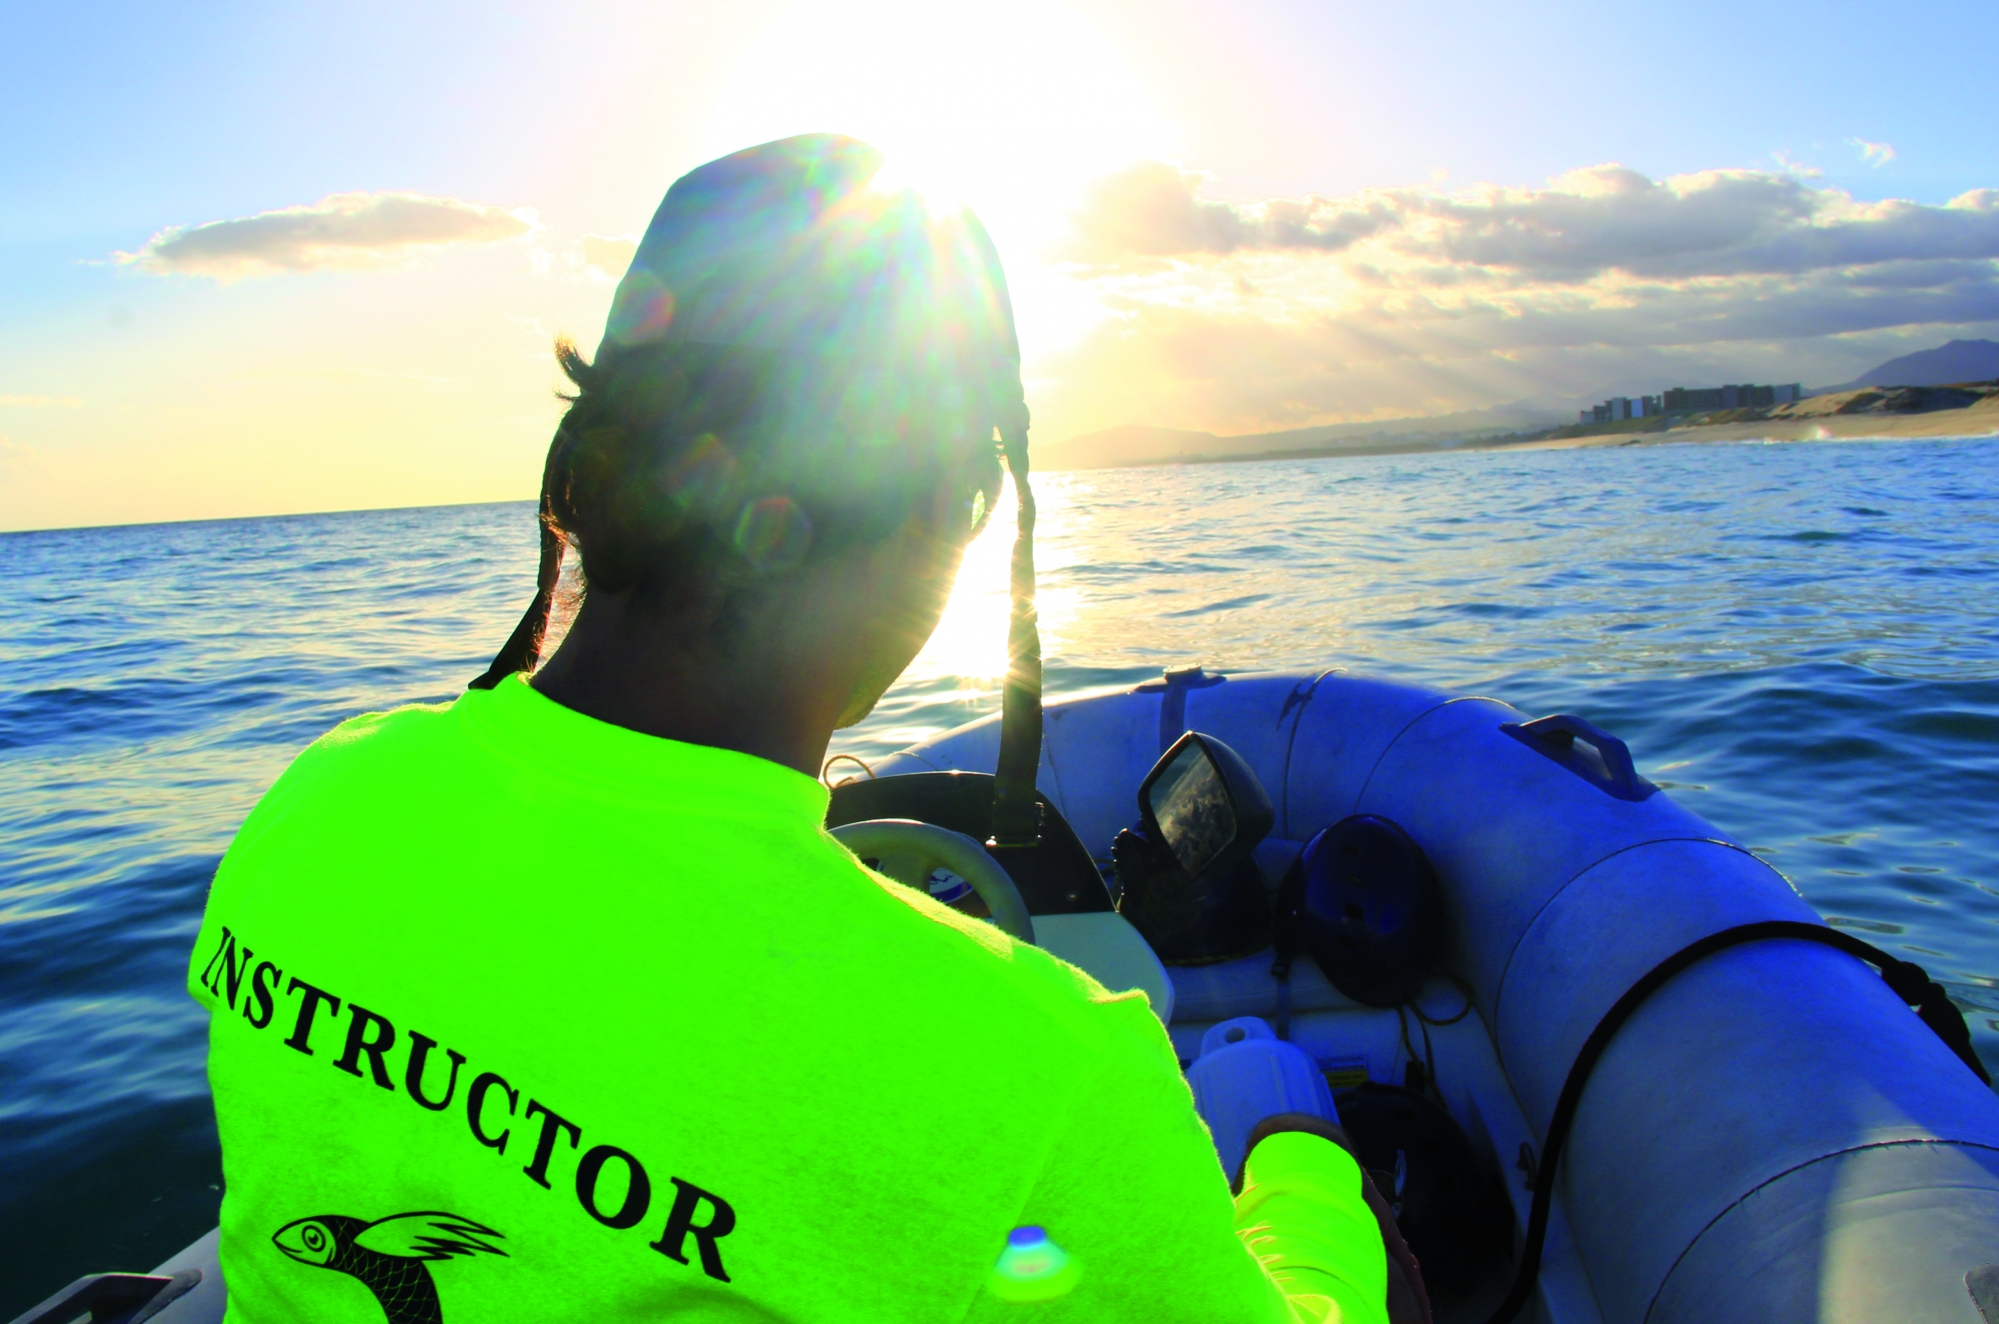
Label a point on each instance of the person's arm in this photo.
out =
(1132, 1190)
(1282, 1209)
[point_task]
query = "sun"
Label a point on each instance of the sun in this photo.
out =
(1011, 107)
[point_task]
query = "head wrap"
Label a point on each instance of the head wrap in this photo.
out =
(874, 298)
(887, 318)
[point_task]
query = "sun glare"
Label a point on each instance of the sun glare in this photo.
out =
(970, 641)
(1011, 107)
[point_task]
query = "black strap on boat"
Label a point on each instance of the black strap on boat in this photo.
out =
(1909, 982)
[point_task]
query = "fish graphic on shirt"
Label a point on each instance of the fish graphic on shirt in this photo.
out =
(391, 1256)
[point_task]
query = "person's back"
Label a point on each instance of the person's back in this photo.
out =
(561, 955)
(524, 1011)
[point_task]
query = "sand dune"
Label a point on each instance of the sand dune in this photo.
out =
(1825, 424)
(1885, 413)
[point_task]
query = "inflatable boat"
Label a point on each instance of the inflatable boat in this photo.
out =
(1689, 1100)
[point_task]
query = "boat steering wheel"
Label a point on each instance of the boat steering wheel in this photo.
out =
(909, 852)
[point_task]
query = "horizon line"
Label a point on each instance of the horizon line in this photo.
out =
(232, 519)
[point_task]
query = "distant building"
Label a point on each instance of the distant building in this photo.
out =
(1620, 407)
(1681, 400)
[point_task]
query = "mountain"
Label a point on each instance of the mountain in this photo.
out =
(1946, 365)
(1116, 448)
(1132, 444)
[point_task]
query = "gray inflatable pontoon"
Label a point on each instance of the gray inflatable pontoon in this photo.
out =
(1773, 1138)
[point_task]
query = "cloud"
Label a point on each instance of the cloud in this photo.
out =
(1798, 168)
(343, 230)
(1292, 312)
(1393, 352)
(596, 259)
(1152, 209)
(18, 459)
(42, 401)
(1591, 221)
(610, 254)
(1875, 154)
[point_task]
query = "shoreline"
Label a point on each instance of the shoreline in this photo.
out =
(1972, 423)
(1975, 421)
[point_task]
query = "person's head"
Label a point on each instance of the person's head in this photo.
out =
(794, 423)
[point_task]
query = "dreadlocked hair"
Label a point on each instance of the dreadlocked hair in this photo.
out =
(671, 464)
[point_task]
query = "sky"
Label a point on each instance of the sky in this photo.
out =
(269, 258)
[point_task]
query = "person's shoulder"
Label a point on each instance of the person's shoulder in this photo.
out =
(362, 752)
(368, 737)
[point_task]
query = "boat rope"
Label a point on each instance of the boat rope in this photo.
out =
(1907, 980)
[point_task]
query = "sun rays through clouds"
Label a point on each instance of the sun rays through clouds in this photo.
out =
(1282, 312)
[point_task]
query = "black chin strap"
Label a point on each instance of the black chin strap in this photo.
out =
(1016, 813)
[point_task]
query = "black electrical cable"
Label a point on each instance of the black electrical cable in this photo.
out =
(1454, 1017)
(1402, 1023)
(1016, 810)
(1907, 980)
(1427, 1059)
(826, 768)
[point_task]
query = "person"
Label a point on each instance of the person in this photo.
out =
(558, 1002)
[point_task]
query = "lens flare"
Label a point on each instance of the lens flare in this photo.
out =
(700, 482)
(1033, 1268)
(773, 533)
(642, 310)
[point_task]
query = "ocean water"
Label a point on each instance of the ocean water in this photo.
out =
(1796, 640)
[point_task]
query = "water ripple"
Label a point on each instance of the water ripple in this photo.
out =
(1796, 640)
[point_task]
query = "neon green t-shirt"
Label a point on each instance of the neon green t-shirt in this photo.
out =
(521, 1015)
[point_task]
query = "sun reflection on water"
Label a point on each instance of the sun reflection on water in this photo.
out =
(969, 644)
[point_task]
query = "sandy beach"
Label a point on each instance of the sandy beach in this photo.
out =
(1869, 414)
(1979, 420)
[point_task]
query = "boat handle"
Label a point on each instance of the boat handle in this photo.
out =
(1562, 730)
(128, 1297)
